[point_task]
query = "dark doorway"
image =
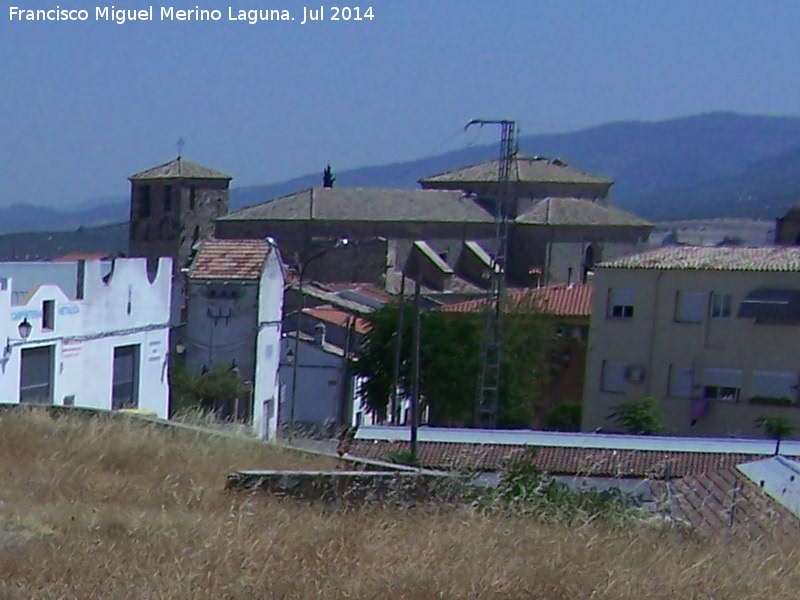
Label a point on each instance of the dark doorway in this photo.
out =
(125, 383)
(36, 376)
(590, 258)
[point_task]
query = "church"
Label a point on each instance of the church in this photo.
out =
(560, 225)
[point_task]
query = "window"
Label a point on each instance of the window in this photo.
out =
(690, 307)
(680, 381)
(775, 384)
(720, 305)
(36, 376)
(620, 303)
(144, 201)
(192, 197)
(125, 378)
(613, 377)
(48, 314)
(722, 384)
(167, 198)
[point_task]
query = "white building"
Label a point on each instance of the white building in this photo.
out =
(234, 301)
(91, 334)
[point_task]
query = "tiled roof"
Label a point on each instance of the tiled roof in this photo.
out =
(229, 259)
(724, 258)
(337, 317)
(577, 211)
(526, 169)
(724, 500)
(180, 168)
(364, 289)
(367, 204)
(559, 299)
(596, 462)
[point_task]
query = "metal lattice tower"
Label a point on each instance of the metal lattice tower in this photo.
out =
(488, 398)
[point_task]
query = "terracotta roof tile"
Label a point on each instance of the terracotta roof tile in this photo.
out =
(701, 258)
(533, 169)
(724, 500)
(578, 211)
(230, 259)
(367, 204)
(337, 317)
(555, 460)
(180, 168)
(73, 256)
(559, 299)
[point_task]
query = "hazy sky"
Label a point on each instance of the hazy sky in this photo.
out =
(85, 104)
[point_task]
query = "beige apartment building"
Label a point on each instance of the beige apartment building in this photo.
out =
(712, 333)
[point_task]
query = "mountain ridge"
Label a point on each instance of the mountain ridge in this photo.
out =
(716, 164)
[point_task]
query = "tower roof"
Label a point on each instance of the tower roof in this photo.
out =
(180, 168)
(525, 169)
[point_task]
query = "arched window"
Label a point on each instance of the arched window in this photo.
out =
(590, 258)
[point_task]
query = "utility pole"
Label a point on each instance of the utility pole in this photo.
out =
(488, 397)
(415, 358)
(393, 420)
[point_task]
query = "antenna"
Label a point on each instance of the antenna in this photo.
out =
(488, 399)
(180, 143)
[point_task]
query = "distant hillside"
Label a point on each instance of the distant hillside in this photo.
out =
(712, 165)
(112, 239)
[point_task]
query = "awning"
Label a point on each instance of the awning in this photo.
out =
(771, 304)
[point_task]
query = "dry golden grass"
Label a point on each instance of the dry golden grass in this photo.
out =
(110, 509)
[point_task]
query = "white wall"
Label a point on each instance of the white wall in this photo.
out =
(270, 308)
(127, 309)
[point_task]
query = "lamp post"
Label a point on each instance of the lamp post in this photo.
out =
(340, 243)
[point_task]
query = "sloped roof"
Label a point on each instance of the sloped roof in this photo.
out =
(559, 299)
(724, 500)
(578, 211)
(338, 317)
(230, 259)
(597, 462)
(180, 168)
(367, 204)
(525, 169)
(702, 258)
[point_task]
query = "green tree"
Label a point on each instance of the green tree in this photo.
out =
(450, 356)
(639, 416)
(207, 390)
(327, 177)
(777, 428)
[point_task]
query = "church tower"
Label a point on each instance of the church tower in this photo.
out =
(172, 207)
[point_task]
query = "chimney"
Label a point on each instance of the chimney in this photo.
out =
(319, 334)
(569, 277)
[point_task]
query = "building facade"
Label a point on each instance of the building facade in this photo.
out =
(710, 333)
(234, 301)
(559, 220)
(92, 334)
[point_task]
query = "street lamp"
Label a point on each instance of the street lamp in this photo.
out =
(338, 244)
(24, 328)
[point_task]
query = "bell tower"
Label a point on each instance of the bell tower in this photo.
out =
(172, 207)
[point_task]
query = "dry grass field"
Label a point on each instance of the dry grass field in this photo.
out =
(117, 509)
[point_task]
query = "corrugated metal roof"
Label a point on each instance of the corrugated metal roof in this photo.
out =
(230, 259)
(367, 204)
(779, 478)
(559, 299)
(701, 258)
(180, 168)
